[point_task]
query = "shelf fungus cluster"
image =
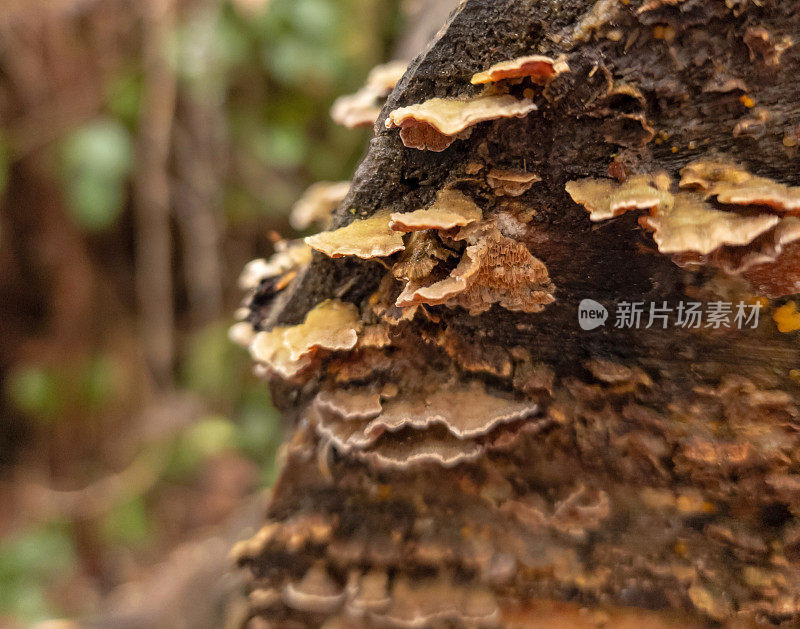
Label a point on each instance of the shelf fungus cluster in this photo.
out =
(722, 216)
(317, 204)
(462, 453)
(435, 423)
(363, 108)
(288, 350)
(491, 268)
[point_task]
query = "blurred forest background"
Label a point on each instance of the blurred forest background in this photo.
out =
(147, 150)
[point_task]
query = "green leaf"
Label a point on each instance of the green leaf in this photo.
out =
(96, 163)
(212, 366)
(99, 382)
(127, 523)
(209, 437)
(282, 146)
(36, 391)
(304, 65)
(124, 96)
(29, 562)
(260, 431)
(103, 147)
(96, 202)
(316, 20)
(232, 42)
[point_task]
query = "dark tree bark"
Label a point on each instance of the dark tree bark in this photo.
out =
(462, 467)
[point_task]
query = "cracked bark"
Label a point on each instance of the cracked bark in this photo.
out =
(658, 479)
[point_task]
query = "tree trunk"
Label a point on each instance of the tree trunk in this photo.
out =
(464, 452)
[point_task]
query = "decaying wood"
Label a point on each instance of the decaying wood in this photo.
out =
(470, 457)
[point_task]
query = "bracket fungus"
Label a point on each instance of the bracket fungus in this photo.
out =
(694, 226)
(467, 411)
(368, 593)
(606, 199)
(767, 248)
(769, 261)
(317, 204)
(349, 403)
(493, 269)
(316, 592)
(363, 108)
(438, 602)
(537, 68)
(437, 425)
(414, 449)
(737, 187)
(242, 333)
(732, 185)
(684, 222)
(436, 123)
(747, 234)
(347, 437)
(287, 350)
(762, 44)
(512, 183)
(289, 257)
(451, 209)
(365, 238)
(705, 173)
(422, 255)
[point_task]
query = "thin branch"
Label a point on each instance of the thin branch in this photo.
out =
(201, 149)
(152, 192)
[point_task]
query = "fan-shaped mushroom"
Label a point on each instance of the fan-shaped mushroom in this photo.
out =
(366, 238)
(537, 68)
(435, 124)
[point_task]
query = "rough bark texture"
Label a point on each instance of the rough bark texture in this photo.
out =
(507, 468)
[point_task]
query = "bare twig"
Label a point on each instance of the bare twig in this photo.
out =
(201, 147)
(152, 192)
(161, 421)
